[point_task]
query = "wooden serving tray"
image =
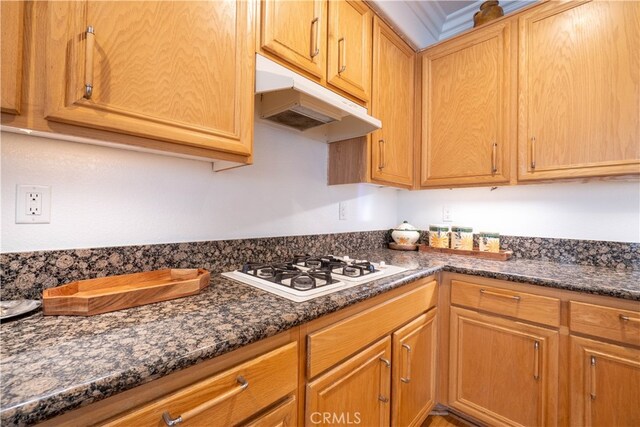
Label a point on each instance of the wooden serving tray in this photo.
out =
(398, 247)
(112, 293)
(498, 256)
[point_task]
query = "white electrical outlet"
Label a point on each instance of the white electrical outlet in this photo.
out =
(342, 211)
(447, 214)
(33, 204)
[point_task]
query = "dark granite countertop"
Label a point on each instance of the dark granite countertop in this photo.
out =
(51, 365)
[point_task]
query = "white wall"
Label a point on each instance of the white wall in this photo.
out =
(106, 197)
(596, 210)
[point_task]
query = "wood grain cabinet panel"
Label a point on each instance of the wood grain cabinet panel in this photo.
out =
(283, 415)
(605, 384)
(579, 84)
(174, 71)
(393, 103)
(466, 109)
(413, 390)
(295, 31)
(12, 28)
(355, 392)
(221, 399)
(503, 372)
(349, 47)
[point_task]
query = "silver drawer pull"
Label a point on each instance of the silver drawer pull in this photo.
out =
(628, 319)
(407, 378)
(243, 384)
(496, 294)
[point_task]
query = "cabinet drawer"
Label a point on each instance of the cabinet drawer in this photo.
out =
(519, 305)
(605, 322)
(330, 345)
(222, 399)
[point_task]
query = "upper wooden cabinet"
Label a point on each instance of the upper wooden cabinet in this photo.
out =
(11, 15)
(349, 47)
(393, 103)
(172, 71)
(466, 123)
(296, 32)
(579, 84)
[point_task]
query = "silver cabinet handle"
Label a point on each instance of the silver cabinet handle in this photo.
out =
(243, 384)
(536, 360)
(494, 158)
(496, 294)
(342, 58)
(533, 152)
(88, 62)
(593, 377)
(628, 319)
(315, 36)
(407, 378)
(387, 363)
(381, 162)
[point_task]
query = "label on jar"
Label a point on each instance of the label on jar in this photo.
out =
(489, 244)
(439, 239)
(462, 240)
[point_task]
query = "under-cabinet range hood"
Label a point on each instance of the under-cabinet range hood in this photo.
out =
(291, 100)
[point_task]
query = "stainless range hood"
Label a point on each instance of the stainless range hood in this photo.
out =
(294, 101)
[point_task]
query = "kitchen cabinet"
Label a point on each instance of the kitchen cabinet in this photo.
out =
(414, 370)
(296, 32)
(386, 156)
(466, 104)
(283, 415)
(502, 371)
(579, 90)
(171, 71)
(377, 364)
(356, 391)
(349, 47)
(605, 376)
(605, 384)
(393, 103)
(226, 398)
(12, 17)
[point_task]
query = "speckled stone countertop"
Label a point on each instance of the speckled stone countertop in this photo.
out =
(44, 359)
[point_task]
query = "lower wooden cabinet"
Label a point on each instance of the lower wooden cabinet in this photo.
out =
(283, 415)
(226, 398)
(503, 371)
(355, 392)
(413, 390)
(605, 384)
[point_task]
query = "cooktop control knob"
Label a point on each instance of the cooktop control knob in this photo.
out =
(382, 264)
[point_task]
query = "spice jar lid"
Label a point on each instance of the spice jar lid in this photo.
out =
(462, 229)
(438, 227)
(489, 234)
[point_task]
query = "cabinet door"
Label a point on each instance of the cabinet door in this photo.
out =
(11, 14)
(605, 384)
(349, 47)
(283, 415)
(393, 103)
(466, 109)
(355, 392)
(579, 83)
(414, 371)
(503, 371)
(174, 71)
(295, 31)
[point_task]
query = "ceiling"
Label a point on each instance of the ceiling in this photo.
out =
(425, 22)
